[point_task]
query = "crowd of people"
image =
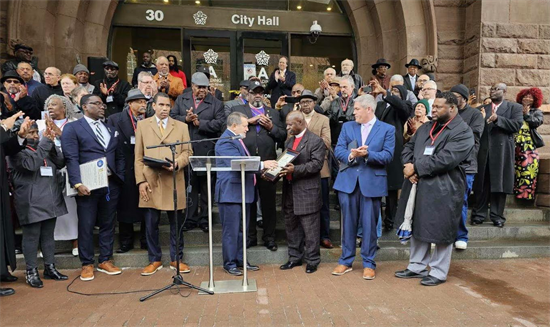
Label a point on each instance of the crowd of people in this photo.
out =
(375, 142)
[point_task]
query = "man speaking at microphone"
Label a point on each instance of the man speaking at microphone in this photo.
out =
(156, 184)
(229, 192)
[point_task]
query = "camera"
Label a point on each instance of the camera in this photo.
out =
(17, 125)
(314, 32)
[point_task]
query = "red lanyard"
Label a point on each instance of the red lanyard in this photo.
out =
(33, 150)
(437, 135)
(196, 107)
(112, 88)
(132, 120)
(344, 107)
(65, 123)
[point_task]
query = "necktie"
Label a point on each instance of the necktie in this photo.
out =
(364, 133)
(294, 147)
(248, 154)
(161, 128)
(99, 134)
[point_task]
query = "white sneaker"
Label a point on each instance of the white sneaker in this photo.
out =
(40, 255)
(75, 252)
(461, 245)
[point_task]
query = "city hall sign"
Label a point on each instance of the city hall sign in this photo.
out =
(259, 20)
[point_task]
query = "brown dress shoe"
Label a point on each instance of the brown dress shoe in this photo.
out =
(340, 270)
(87, 273)
(109, 268)
(184, 269)
(368, 273)
(152, 268)
(327, 244)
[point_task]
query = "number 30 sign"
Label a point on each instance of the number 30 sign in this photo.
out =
(152, 15)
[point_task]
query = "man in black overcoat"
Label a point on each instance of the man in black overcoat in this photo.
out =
(434, 160)
(496, 157)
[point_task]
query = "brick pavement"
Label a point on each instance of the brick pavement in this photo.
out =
(513, 292)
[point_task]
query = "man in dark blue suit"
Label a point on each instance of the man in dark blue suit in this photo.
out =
(85, 140)
(364, 148)
(229, 193)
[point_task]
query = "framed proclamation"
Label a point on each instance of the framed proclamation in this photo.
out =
(285, 158)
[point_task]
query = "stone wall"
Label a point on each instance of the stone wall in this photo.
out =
(3, 30)
(543, 183)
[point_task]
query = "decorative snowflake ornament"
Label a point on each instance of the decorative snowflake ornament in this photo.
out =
(262, 58)
(210, 56)
(200, 18)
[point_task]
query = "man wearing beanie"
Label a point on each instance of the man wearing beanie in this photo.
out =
(83, 75)
(475, 120)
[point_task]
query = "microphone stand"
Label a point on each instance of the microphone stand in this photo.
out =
(178, 279)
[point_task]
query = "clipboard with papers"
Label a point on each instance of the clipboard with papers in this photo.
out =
(93, 174)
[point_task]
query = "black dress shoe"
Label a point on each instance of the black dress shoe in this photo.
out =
(33, 279)
(260, 223)
(475, 222)
(204, 227)
(51, 273)
(249, 267)
(6, 291)
(408, 274)
(189, 226)
(431, 281)
(271, 245)
(250, 244)
(124, 249)
(8, 278)
(499, 223)
(310, 269)
(234, 271)
(290, 265)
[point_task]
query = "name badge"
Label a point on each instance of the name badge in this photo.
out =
(132, 140)
(109, 99)
(46, 171)
(429, 150)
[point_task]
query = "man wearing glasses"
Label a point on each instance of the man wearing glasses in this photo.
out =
(112, 90)
(204, 116)
(16, 98)
(265, 129)
(82, 141)
(429, 91)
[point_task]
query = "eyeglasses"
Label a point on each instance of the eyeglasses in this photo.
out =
(306, 102)
(495, 89)
(110, 68)
(12, 81)
(202, 86)
(98, 103)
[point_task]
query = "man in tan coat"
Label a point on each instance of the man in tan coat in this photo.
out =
(173, 86)
(320, 126)
(156, 185)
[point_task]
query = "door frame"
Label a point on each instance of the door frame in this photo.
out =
(241, 35)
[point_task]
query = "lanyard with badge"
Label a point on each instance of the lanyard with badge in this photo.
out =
(429, 150)
(110, 98)
(133, 137)
(45, 171)
(344, 104)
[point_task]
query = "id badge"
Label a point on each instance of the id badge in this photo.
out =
(46, 171)
(109, 99)
(429, 150)
(132, 140)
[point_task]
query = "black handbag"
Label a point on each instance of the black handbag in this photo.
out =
(537, 139)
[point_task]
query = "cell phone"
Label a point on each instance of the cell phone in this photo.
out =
(291, 99)
(472, 91)
(367, 89)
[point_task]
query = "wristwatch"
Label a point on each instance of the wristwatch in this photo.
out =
(77, 185)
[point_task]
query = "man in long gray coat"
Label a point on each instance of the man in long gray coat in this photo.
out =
(434, 160)
(495, 174)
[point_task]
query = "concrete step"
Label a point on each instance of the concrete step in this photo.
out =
(197, 237)
(390, 250)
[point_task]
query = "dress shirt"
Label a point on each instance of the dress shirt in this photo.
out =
(164, 122)
(365, 131)
(102, 127)
(309, 116)
(413, 80)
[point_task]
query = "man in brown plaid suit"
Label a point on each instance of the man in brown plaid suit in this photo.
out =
(302, 193)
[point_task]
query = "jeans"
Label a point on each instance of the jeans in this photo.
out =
(462, 234)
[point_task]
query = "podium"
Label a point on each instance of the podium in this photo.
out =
(226, 163)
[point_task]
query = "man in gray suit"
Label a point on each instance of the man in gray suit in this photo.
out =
(302, 193)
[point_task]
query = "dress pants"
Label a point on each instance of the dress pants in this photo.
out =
(391, 208)
(302, 233)
(325, 210)
(99, 209)
(439, 261)
(484, 197)
(152, 218)
(39, 233)
(378, 227)
(199, 185)
(356, 207)
(462, 234)
(126, 233)
(267, 191)
(231, 216)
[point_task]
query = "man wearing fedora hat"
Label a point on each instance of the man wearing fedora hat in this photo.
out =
(410, 78)
(128, 211)
(112, 90)
(380, 73)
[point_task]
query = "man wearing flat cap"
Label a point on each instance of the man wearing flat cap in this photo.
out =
(128, 211)
(411, 77)
(204, 116)
(112, 90)
(82, 74)
(23, 53)
(265, 129)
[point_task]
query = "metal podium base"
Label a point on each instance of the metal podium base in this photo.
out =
(230, 286)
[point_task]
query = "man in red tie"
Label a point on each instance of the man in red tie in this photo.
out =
(302, 194)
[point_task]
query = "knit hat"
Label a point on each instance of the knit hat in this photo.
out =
(80, 68)
(462, 90)
(426, 104)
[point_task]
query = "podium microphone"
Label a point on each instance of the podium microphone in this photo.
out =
(237, 137)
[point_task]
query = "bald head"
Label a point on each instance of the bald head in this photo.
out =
(295, 122)
(497, 92)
